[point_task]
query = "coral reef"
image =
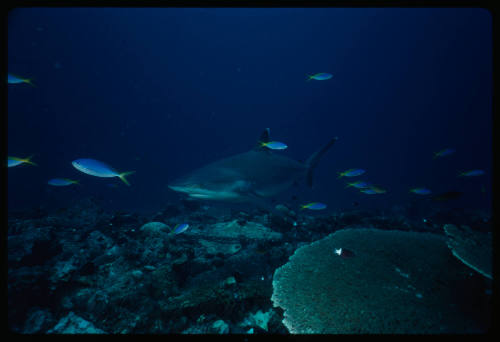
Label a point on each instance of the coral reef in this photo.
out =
(397, 282)
(473, 248)
(82, 269)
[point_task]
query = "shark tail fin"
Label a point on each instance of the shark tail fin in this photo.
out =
(264, 138)
(313, 160)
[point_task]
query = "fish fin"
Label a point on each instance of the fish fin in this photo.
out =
(313, 160)
(264, 138)
(122, 176)
(28, 160)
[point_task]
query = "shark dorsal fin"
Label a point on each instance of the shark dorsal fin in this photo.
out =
(264, 137)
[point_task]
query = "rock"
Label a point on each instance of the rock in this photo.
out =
(285, 210)
(155, 227)
(137, 274)
(213, 247)
(233, 230)
(63, 270)
(38, 322)
(230, 281)
(73, 324)
(220, 327)
(258, 319)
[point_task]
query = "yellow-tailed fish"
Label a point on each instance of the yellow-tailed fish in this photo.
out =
(15, 161)
(62, 181)
(322, 76)
(99, 169)
(313, 206)
(13, 79)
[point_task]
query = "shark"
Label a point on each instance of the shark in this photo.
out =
(255, 174)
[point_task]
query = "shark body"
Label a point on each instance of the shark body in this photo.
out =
(258, 173)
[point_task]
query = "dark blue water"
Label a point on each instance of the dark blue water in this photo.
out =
(163, 91)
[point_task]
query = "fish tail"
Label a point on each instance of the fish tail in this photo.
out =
(309, 77)
(264, 138)
(122, 176)
(29, 81)
(341, 174)
(28, 160)
(313, 160)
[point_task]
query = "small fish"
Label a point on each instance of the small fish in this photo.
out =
(320, 76)
(446, 196)
(180, 228)
(471, 173)
(62, 181)
(420, 191)
(443, 153)
(344, 252)
(368, 191)
(274, 145)
(12, 79)
(351, 173)
(359, 185)
(377, 189)
(15, 161)
(99, 169)
(313, 206)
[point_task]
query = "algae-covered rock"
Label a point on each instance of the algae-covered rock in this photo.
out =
(390, 282)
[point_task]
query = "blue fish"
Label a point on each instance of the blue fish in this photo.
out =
(320, 76)
(471, 173)
(444, 153)
(274, 145)
(12, 79)
(368, 191)
(99, 169)
(351, 173)
(180, 228)
(313, 206)
(420, 191)
(15, 161)
(359, 185)
(62, 181)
